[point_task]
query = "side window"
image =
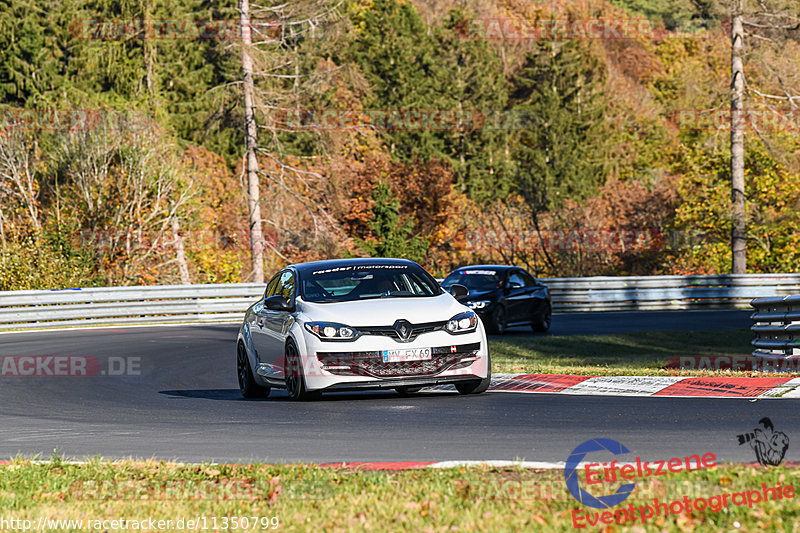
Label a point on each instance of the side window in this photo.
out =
(272, 287)
(516, 278)
(528, 279)
(286, 285)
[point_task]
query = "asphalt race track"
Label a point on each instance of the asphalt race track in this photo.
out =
(177, 398)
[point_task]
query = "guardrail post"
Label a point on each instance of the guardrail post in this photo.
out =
(776, 324)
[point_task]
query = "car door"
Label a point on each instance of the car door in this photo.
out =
(259, 331)
(277, 323)
(531, 296)
(516, 297)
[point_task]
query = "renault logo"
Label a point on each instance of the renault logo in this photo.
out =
(403, 329)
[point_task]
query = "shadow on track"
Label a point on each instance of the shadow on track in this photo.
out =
(233, 395)
(209, 394)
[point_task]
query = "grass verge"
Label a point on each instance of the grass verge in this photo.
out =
(642, 353)
(313, 498)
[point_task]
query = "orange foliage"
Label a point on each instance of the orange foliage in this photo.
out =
(426, 195)
(620, 230)
(216, 234)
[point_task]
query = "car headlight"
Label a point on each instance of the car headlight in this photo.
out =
(462, 323)
(480, 304)
(331, 331)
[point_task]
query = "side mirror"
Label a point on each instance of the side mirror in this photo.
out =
(458, 291)
(514, 285)
(277, 303)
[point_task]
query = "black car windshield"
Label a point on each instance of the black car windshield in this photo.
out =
(364, 281)
(475, 279)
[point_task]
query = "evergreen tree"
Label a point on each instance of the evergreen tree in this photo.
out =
(470, 76)
(561, 152)
(392, 239)
(34, 50)
(683, 15)
(456, 81)
(399, 59)
(175, 73)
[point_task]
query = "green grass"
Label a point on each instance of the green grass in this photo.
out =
(313, 498)
(641, 353)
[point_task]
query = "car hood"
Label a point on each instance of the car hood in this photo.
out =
(384, 311)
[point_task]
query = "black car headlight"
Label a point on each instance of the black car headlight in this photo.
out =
(478, 304)
(462, 323)
(331, 331)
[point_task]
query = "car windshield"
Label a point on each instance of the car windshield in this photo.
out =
(478, 280)
(364, 281)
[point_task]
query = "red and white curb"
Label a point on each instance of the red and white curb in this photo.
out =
(672, 386)
(380, 465)
(533, 465)
(410, 465)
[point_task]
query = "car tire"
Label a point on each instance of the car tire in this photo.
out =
(247, 383)
(295, 379)
(476, 386)
(541, 323)
(407, 391)
(498, 321)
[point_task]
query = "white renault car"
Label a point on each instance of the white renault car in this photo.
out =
(350, 324)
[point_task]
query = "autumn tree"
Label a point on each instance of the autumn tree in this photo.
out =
(20, 174)
(273, 80)
(703, 219)
(124, 181)
(765, 20)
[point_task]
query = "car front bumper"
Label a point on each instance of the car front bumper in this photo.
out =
(359, 364)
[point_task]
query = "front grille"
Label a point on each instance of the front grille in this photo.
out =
(371, 363)
(390, 331)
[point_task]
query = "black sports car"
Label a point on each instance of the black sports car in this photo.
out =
(503, 296)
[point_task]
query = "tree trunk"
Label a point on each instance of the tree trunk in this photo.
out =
(256, 237)
(739, 224)
(180, 254)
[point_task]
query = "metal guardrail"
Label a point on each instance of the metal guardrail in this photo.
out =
(651, 293)
(218, 303)
(776, 323)
(127, 305)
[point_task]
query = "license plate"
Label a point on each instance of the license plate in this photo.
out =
(407, 354)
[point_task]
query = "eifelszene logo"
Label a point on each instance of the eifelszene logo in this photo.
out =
(611, 472)
(571, 474)
(770, 445)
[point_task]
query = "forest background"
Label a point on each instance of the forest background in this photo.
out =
(572, 138)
